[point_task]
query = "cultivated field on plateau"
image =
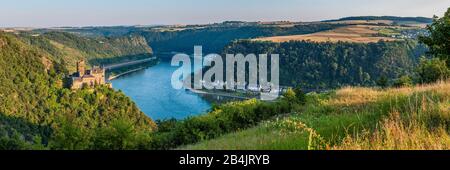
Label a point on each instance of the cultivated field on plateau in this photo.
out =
(352, 33)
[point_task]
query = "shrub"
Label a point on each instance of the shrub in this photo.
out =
(403, 81)
(383, 82)
(432, 70)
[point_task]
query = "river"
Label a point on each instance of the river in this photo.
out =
(152, 91)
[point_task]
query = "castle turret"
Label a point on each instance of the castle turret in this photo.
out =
(81, 68)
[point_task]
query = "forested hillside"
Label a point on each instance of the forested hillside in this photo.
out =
(329, 65)
(68, 48)
(214, 38)
(37, 112)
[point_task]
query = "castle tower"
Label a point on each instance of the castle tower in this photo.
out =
(81, 68)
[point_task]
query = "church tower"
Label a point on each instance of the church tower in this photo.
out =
(81, 68)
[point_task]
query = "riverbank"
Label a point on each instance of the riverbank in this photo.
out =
(125, 73)
(130, 63)
(222, 94)
(117, 70)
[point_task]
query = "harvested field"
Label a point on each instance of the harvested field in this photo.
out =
(354, 33)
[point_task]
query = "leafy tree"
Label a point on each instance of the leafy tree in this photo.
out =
(403, 81)
(15, 142)
(70, 136)
(119, 136)
(383, 82)
(167, 125)
(290, 96)
(300, 95)
(432, 70)
(439, 39)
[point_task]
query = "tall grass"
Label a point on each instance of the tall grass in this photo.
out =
(418, 119)
(395, 134)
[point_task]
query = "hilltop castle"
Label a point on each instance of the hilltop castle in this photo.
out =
(89, 78)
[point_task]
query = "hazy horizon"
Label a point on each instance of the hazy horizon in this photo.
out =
(65, 13)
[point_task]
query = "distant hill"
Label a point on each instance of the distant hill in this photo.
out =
(93, 31)
(391, 18)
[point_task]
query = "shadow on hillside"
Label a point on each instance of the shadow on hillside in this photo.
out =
(10, 126)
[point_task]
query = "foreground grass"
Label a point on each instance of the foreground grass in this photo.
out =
(260, 138)
(354, 118)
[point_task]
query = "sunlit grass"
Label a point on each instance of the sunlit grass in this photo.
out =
(354, 118)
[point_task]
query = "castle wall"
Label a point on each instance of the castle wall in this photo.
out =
(76, 85)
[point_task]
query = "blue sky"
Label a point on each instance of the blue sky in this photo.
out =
(51, 13)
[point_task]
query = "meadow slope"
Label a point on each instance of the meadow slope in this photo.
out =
(353, 118)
